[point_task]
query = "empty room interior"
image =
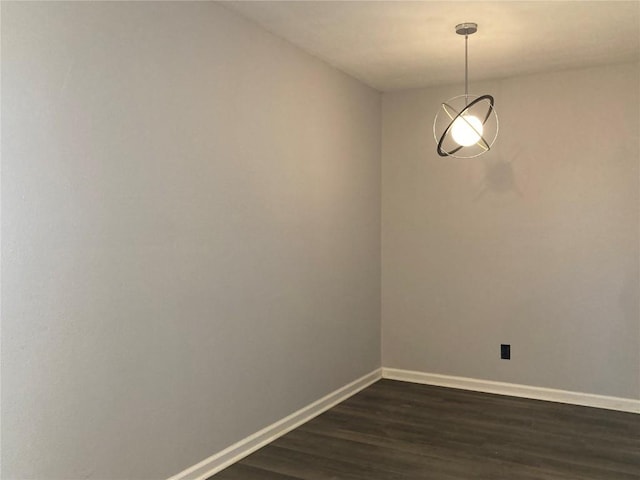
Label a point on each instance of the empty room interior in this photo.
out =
(315, 240)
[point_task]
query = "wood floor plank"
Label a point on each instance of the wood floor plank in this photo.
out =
(400, 431)
(484, 439)
(241, 471)
(310, 466)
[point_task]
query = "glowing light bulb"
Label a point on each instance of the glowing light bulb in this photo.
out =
(466, 130)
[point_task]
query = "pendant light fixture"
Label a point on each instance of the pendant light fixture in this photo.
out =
(467, 125)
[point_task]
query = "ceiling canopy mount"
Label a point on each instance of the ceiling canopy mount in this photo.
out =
(468, 28)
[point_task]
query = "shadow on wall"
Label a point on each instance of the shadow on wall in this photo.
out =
(499, 177)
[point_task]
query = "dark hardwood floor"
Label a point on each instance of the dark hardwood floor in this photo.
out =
(400, 431)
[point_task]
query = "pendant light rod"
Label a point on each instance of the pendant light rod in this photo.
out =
(466, 66)
(466, 29)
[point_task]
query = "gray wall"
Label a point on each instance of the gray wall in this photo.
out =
(191, 235)
(534, 244)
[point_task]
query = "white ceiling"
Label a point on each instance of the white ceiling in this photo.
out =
(392, 45)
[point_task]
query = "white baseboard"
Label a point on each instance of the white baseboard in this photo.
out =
(514, 390)
(250, 444)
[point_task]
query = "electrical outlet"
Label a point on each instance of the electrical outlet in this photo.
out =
(505, 351)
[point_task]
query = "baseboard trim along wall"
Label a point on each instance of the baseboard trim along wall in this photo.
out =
(221, 460)
(514, 390)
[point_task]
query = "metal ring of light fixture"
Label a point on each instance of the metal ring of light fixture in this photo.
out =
(447, 147)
